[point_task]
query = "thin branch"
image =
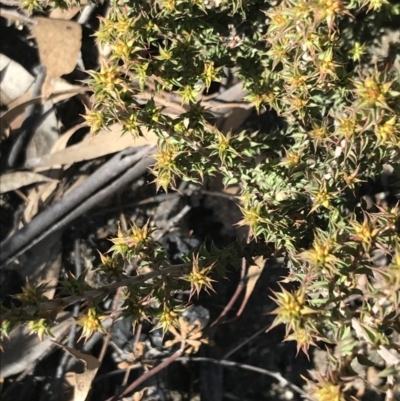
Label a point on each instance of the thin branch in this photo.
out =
(230, 364)
(149, 374)
(108, 336)
(102, 184)
(11, 3)
(62, 368)
(16, 16)
(222, 317)
(59, 304)
(243, 343)
(283, 382)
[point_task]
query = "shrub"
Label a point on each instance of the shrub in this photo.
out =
(302, 183)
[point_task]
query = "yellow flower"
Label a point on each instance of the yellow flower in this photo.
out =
(303, 338)
(90, 322)
(321, 255)
(328, 392)
(347, 126)
(372, 91)
(358, 51)
(387, 132)
(292, 306)
(41, 327)
(326, 387)
(199, 277)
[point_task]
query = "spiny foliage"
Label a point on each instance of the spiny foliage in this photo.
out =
(310, 61)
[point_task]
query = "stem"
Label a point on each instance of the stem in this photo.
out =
(149, 374)
(62, 303)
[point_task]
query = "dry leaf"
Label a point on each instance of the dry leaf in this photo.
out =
(37, 196)
(83, 380)
(253, 274)
(18, 106)
(10, 182)
(58, 13)
(41, 193)
(59, 44)
(45, 134)
(15, 80)
(104, 143)
(139, 395)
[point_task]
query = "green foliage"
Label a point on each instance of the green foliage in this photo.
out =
(311, 62)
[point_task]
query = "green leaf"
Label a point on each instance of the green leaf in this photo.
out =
(390, 371)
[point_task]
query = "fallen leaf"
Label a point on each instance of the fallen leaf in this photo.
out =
(18, 106)
(15, 80)
(10, 182)
(36, 197)
(83, 380)
(45, 134)
(59, 44)
(58, 13)
(65, 137)
(41, 193)
(252, 276)
(104, 143)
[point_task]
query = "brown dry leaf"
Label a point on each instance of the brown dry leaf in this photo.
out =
(16, 80)
(104, 143)
(59, 43)
(65, 137)
(83, 380)
(253, 274)
(18, 106)
(23, 349)
(59, 13)
(10, 182)
(138, 396)
(191, 334)
(42, 192)
(37, 196)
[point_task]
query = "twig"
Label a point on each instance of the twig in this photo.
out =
(16, 16)
(221, 318)
(283, 382)
(86, 13)
(171, 222)
(90, 193)
(138, 331)
(243, 343)
(108, 336)
(149, 374)
(28, 126)
(238, 291)
(62, 367)
(58, 304)
(11, 3)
